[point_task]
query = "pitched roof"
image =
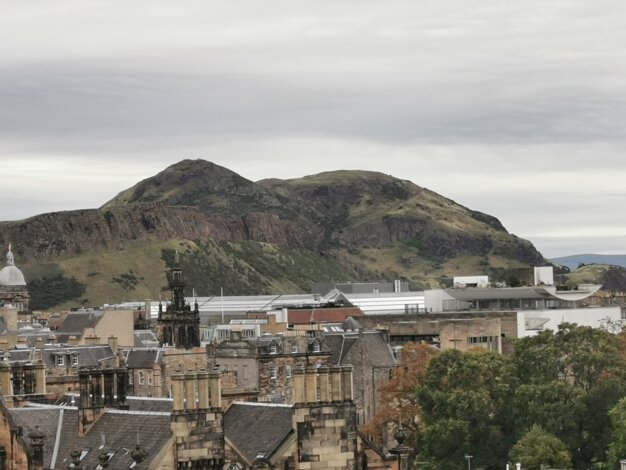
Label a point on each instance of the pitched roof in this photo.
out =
(142, 358)
(88, 355)
(339, 345)
(117, 432)
(47, 421)
(257, 430)
(76, 322)
(378, 352)
(145, 339)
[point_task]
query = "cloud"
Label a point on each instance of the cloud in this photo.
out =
(512, 109)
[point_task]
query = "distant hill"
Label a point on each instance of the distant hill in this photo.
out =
(270, 236)
(573, 261)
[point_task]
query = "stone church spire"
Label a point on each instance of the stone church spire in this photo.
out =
(179, 324)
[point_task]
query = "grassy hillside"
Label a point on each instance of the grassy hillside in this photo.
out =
(272, 236)
(573, 261)
(240, 268)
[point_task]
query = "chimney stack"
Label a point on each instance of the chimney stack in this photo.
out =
(40, 377)
(310, 384)
(215, 390)
(178, 386)
(113, 343)
(203, 389)
(190, 390)
(5, 380)
(322, 385)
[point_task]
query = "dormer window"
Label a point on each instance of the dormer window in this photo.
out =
(316, 347)
(60, 360)
(74, 358)
(273, 348)
(294, 349)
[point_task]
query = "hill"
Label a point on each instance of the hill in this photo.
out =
(260, 237)
(573, 261)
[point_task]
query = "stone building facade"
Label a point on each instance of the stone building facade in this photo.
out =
(261, 369)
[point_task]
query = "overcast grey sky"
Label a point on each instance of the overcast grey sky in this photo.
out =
(516, 109)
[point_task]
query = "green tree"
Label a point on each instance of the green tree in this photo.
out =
(614, 279)
(568, 381)
(463, 400)
(538, 449)
(617, 448)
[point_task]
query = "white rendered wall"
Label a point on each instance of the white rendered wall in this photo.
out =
(544, 275)
(479, 281)
(592, 316)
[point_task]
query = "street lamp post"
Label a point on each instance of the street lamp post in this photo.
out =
(469, 461)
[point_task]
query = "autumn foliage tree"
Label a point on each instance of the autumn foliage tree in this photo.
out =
(398, 399)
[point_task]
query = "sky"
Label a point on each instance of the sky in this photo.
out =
(515, 109)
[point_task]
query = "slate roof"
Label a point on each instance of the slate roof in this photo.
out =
(378, 352)
(19, 355)
(88, 355)
(145, 339)
(47, 420)
(115, 431)
(76, 322)
(143, 358)
(339, 345)
(256, 429)
(119, 430)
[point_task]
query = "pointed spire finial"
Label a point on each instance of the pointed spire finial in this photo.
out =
(10, 258)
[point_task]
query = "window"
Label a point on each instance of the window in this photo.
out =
(149, 379)
(273, 371)
(60, 360)
(74, 358)
(294, 349)
(142, 378)
(273, 348)
(287, 372)
(316, 347)
(247, 333)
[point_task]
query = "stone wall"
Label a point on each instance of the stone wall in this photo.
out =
(197, 420)
(326, 437)
(13, 442)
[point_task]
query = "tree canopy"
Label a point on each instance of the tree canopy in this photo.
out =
(559, 391)
(538, 449)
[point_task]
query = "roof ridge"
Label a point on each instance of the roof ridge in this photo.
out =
(256, 403)
(57, 440)
(134, 412)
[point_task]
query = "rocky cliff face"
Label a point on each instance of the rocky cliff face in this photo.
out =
(63, 234)
(365, 224)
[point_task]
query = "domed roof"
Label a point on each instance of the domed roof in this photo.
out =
(10, 275)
